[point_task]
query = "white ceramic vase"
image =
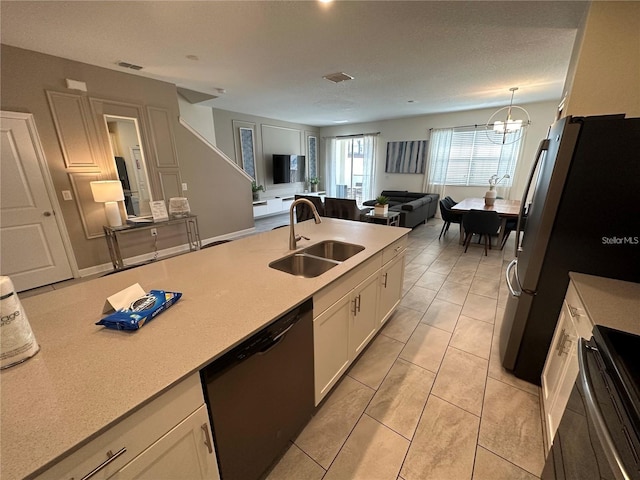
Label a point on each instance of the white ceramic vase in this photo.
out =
(490, 197)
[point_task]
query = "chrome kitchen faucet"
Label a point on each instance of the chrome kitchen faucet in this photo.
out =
(293, 238)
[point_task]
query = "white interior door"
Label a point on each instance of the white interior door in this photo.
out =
(32, 251)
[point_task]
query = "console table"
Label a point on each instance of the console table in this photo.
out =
(389, 218)
(111, 235)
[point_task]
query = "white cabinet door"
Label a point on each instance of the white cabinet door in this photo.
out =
(286, 203)
(331, 346)
(391, 277)
(561, 367)
(260, 208)
(560, 372)
(274, 205)
(364, 319)
(186, 451)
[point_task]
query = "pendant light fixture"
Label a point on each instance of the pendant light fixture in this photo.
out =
(508, 130)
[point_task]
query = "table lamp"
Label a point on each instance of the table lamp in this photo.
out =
(110, 193)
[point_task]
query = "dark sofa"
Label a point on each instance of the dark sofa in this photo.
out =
(414, 207)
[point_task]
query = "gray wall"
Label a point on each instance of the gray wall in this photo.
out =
(200, 118)
(27, 75)
(271, 136)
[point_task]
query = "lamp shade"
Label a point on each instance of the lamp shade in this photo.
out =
(107, 191)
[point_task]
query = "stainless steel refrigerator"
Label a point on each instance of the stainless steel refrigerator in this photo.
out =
(580, 212)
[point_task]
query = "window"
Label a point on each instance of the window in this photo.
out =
(349, 167)
(468, 156)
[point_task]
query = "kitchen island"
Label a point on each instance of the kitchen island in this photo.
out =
(86, 378)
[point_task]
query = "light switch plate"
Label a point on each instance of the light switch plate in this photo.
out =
(184, 187)
(66, 195)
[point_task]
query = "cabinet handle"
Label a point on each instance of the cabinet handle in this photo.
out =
(575, 311)
(355, 306)
(358, 303)
(207, 438)
(112, 457)
(562, 344)
(384, 284)
(561, 340)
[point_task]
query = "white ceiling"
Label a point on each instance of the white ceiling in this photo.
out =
(408, 58)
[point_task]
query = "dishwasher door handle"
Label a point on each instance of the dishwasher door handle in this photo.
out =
(276, 340)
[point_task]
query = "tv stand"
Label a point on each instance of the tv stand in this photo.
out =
(276, 205)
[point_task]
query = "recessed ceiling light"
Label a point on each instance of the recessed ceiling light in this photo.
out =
(338, 77)
(341, 121)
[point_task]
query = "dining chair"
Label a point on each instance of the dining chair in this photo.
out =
(304, 212)
(345, 208)
(448, 216)
(481, 222)
(509, 227)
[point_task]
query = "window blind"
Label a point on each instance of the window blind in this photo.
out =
(473, 157)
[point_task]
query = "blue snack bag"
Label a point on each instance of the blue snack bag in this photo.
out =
(141, 310)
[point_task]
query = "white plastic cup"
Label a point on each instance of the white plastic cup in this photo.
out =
(17, 342)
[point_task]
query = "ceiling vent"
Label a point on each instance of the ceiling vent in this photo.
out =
(338, 77)
(128, 65)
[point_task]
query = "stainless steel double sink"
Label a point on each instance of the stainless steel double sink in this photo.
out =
(316, 259)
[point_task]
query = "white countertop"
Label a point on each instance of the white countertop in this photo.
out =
(609, 302)
(86, 378)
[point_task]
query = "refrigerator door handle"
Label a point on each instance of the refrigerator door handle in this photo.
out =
(514, 263)
(544, 146)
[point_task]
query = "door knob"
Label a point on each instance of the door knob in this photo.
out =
(47, 214)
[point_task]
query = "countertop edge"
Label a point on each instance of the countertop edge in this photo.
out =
(609, 302)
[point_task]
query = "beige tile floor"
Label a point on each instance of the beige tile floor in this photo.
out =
(428, 399)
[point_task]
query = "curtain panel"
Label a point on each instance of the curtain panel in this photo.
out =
(330, 146)
(370, 145)
(438, 161)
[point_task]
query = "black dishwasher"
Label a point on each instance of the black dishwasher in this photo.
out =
(260, 394)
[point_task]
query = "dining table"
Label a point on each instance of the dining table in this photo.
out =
(506, 209)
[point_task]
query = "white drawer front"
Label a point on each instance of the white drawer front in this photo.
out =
(390, 252)
(132, 435)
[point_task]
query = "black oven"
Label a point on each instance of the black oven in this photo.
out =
(599, 433)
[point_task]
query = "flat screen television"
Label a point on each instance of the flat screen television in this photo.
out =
(288, 168)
